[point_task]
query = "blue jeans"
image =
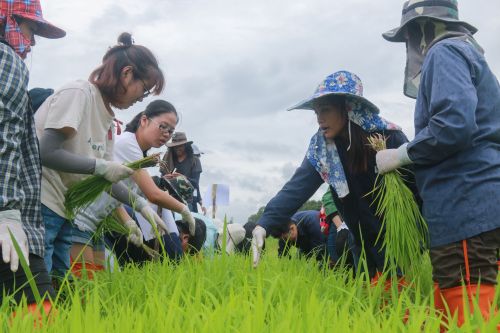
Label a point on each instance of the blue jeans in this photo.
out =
(57, 242)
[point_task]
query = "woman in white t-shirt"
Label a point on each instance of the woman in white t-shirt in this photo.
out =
(76, 133)
(151, 128)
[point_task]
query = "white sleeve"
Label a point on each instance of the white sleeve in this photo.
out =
(126, 148)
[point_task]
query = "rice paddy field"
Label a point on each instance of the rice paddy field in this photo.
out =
(225, 294)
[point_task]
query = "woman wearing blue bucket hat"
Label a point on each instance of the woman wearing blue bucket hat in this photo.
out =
(339, 155)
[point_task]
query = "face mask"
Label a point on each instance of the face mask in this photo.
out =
(15, 38)
(422, 34)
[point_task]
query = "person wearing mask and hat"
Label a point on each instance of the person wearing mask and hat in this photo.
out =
(338, 154)
(455, 152)
(179, 160)
(20, 169)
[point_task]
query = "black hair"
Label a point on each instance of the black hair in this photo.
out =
(187, 147)
(195, 242)
(360, 152)
(155, 108)
(145, 65)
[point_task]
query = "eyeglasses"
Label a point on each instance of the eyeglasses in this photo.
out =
(164, 128)
(147, 91)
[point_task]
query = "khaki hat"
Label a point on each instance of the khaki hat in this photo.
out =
(179, 138)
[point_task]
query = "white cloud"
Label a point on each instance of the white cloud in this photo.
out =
(233, 67)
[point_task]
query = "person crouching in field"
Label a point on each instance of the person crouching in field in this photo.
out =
(338, 154)
(151, 128)
(76, 133)
(20, 169)
(303, 232)
(455, 152)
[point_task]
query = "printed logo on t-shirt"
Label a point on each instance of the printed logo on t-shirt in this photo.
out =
(96, 146)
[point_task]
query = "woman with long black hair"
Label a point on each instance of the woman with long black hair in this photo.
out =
(339, 154)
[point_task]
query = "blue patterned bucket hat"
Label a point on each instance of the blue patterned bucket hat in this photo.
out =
(441, 10)
(342, 83)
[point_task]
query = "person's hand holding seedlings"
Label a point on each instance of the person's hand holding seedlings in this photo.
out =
(135, 235)
(112, 171)
(10, 220)
(391, 159)
(259, 236)
(149, 214)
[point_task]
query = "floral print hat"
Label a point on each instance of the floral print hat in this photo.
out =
(322, 153)
(339, 83)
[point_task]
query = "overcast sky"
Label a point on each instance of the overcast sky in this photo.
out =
(233, 67)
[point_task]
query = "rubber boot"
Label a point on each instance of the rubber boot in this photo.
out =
(34, 309)
(80, 269)
(454, 298)
(387, 288)
(438, 299)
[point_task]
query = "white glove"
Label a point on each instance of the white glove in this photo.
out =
(342, 226)
(149, 214)
(259, 235)
(391, 159)
(135, 236)
(11, 220)
(188, 218)
(112, 171)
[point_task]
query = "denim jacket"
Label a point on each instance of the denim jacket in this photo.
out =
(456, 150)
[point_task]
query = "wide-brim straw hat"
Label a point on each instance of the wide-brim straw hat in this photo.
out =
(441, 10)
(179, 138)
(342, 83)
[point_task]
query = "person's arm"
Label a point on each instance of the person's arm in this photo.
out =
(158, 197)
(12, 131)
(55, 157)
(154, 194)
(303, 184)
(451, 99)
(135, 233)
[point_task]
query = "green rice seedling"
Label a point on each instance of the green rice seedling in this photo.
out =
(404, 228)
(111, 224)
(225, 294)
(86, 191)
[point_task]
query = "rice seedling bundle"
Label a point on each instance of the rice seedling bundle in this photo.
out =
(111, 224)
(404, 226)
(86, 191)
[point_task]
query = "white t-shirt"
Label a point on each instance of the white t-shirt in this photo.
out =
(126, 150)
(78, 105)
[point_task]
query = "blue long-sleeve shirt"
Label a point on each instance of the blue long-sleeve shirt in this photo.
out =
(310, 240)
(456, 149)
(356, 208)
